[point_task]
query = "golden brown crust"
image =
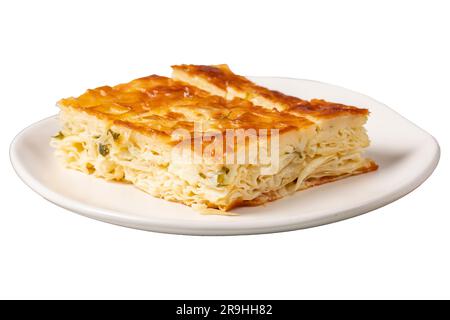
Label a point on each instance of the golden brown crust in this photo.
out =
(222, 77)
(159, 105)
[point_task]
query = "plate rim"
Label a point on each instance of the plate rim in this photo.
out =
(191, 227)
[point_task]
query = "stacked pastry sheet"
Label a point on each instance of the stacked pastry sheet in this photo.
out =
(209, 138)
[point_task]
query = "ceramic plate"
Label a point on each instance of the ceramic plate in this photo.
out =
(406, 154)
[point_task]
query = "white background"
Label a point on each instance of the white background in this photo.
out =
(395, 51)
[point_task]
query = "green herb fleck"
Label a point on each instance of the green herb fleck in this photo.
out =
(96, 137)
(155, 153)
(103, 149)
(59, 136)
(115, 135)
(225, 170)
(220, 179)
(202, 175)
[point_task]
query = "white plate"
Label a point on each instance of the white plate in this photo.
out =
(407, 155)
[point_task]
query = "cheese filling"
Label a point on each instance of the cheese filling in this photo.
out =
(95, 146)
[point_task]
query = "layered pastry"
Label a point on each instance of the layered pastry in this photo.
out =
(209, 138)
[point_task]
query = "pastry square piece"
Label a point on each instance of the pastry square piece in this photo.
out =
(210, 139)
